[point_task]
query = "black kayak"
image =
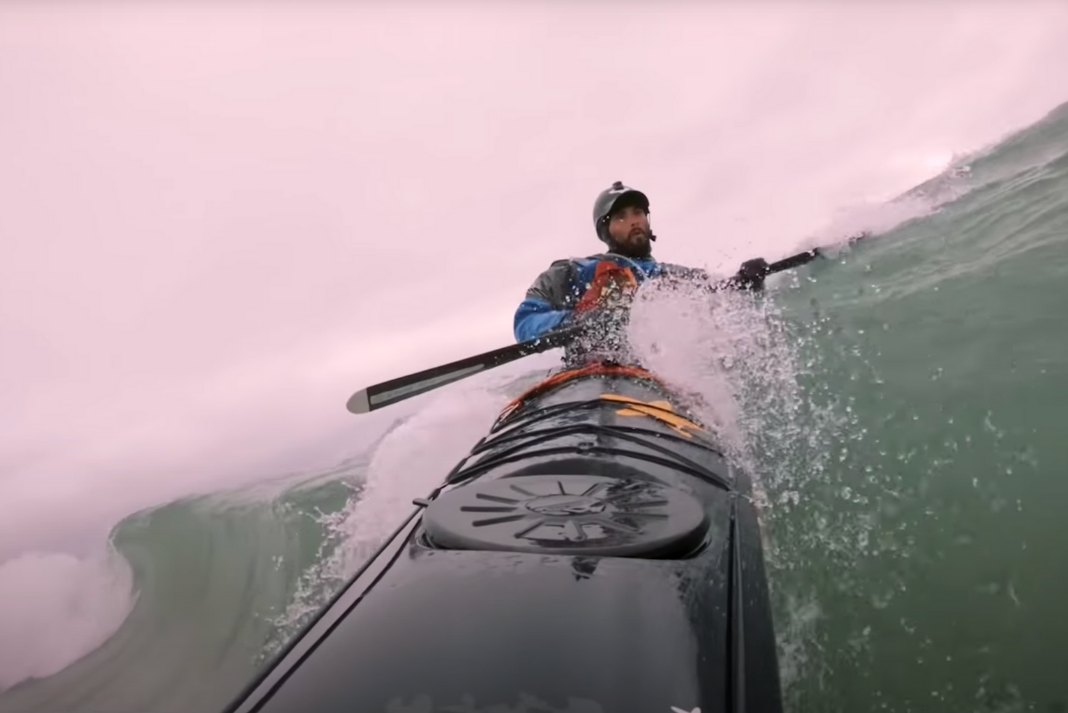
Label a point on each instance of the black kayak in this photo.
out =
(595, 553)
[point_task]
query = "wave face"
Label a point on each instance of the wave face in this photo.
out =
(899, 402)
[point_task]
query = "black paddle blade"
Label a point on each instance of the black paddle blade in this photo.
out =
(405, 387)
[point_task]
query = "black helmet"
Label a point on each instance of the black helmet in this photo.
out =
(618, 196)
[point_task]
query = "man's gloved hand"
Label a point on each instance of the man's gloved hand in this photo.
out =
(751, 275)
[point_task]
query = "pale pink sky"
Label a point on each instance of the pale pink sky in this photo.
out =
(218, 222)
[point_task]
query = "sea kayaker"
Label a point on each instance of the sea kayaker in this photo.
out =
(598, 286)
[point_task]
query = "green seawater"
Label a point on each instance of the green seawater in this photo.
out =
(924, 568)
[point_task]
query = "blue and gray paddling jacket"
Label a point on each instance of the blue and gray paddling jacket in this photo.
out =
(571, 286)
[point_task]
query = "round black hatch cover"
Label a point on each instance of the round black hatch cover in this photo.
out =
(568, 514)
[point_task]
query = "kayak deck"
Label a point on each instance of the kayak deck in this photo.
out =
(594, 553)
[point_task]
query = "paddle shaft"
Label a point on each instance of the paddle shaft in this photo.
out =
(405, 387)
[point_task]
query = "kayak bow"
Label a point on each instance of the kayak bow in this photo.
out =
(594, 553)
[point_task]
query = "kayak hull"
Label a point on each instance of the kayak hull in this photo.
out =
(595, 553)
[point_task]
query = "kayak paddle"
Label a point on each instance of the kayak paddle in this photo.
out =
(405, 387)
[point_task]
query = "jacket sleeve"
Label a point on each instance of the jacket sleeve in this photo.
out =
(738, 281)
(548, 302)
(682, 273)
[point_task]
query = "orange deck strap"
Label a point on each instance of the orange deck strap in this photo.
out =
(662, 411)
(596, 369)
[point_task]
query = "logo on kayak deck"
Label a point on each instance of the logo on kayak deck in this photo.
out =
(660, 410)
(566, 505)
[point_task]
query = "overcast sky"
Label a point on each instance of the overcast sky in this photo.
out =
(220, 220)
